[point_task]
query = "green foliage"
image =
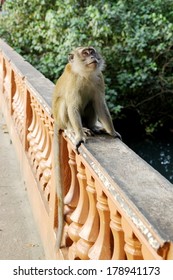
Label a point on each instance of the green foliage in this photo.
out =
(135, 37)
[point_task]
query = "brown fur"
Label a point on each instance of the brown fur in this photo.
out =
(79, 100)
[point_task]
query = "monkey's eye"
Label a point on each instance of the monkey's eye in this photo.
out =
(92, 52)
(70, 57)
(85, 53)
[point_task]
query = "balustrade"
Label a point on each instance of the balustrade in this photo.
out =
(116, 207)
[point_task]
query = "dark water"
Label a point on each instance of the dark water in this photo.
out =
(156, 149)
(158, 154)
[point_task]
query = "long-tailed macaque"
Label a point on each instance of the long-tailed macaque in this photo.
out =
(78, 103)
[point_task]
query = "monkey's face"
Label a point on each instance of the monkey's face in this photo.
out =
(86, 59)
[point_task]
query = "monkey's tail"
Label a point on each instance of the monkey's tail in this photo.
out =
(58, 186)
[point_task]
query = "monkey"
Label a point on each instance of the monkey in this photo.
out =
(78, 102)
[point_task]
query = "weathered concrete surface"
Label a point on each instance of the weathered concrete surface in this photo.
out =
(19, 238)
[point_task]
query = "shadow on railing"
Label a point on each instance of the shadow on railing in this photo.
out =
(116, 205)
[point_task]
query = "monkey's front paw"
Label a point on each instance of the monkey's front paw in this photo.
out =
(88, 132)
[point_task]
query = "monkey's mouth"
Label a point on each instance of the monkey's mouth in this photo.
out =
(93, 62)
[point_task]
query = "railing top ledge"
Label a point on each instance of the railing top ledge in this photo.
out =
(143, 189)
(34, 79)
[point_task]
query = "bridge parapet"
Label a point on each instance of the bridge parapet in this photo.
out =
(116, 206)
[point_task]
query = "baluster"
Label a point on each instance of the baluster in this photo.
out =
(15, 99)
(117, 231)
(41, 149)
(27, 118)
(2, 72)
(79, 215)
(7, 84)
(71, 186)
(20, 119)
(149, 253)
(132, 244)
(34, 127)
(44, 170)
(18, 105)
(37, 132)
(16, 96)
(39, 139)
(33, 122)
(5, 80)
(90, 229)
(101, 250)
(66, 181)
(20, 123)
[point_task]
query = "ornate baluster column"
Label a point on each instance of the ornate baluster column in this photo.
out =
(2, 72)
(18, 105)
(7, 86)
(117, 231)
(132, 244)
(78, 217)
(102, 247)
(89, 231)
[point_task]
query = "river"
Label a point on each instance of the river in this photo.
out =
(158, 153)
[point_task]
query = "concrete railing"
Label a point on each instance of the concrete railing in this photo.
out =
(116, 205)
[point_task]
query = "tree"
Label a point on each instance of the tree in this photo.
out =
(135, 37)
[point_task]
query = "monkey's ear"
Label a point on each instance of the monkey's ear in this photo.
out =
(70, 57)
